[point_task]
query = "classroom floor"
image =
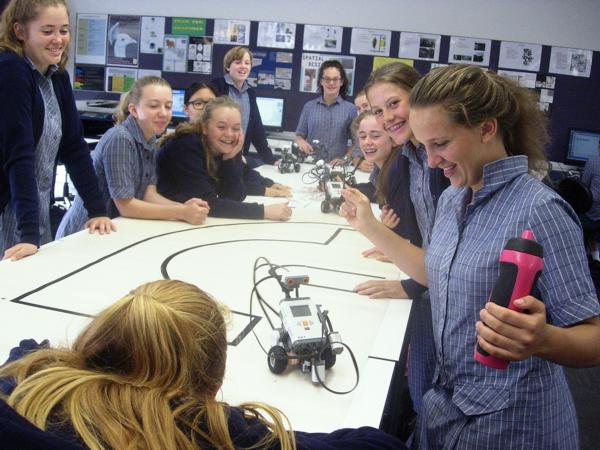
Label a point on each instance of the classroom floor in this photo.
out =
(585, 387)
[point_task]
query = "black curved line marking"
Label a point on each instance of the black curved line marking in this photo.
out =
(163, 267)
(134, 244)
(255, 319)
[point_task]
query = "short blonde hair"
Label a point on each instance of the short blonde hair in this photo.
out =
(235, 54)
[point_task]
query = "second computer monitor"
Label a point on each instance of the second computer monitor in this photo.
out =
(271, 112)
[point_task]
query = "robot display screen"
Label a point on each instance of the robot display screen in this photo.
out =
(271, 112)
(582, 145)
(178, 106)
(300, 311)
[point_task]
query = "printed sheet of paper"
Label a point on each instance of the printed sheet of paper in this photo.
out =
(321, 38)
(520, 56)
(420, 46)
(90, 45)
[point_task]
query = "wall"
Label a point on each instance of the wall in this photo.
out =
(576, 100)
(573, 23)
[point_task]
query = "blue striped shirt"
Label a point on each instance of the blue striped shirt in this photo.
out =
(420, 193)
(241, 98)
(125, 164)
(329, 124)
(591, 178)
(531, 398)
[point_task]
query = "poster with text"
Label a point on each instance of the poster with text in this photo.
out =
(469, 51)
(571, 61)
(123, 37)
(321, 38)
(271, 69)
(200, 54)
(520, 56)
(310, 70)
(188, 26)
(370, 42)
(89, 78)
(525, 79)
(175, 52)
(232, 32)
(152, 34)
(276, 34)
(420, 46)
(120, 79)
(90, 45)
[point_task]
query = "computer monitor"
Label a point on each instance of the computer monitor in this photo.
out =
(582, 145)
(178, 105)
(271, 112)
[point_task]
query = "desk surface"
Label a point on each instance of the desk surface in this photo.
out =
(52, 294)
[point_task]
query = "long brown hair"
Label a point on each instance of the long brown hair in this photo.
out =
(381, 185)
(142, 375)
(471, 95)
(23, 12)
(398, 73)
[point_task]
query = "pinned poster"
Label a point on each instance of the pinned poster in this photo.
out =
(322, 38)
(89, 78)
(271, 69)
(188, 26)
(420, 46)
(276, 34)
(152, 34)
(90, 45)
(571, 61)
(232, 32)
(525, 79)
(310, 70)
(123, 40)
(120, 79)
(175, 52)
(469, 51)
(200, 54)
(370, 42)
(520, 56)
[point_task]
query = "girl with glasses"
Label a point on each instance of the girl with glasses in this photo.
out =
(125, 162)
(328, 117)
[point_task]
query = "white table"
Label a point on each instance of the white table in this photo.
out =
(51, 294)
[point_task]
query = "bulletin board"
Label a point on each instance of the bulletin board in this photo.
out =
(570, 101)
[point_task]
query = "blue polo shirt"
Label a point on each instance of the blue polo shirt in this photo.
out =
(125, 164)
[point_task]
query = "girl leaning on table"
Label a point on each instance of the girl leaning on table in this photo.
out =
(203, 159)
(125, 162)
(146, 374)
(487, 135)
(196, 96)
(39, 125)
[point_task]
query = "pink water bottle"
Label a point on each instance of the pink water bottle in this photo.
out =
(521, 263)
